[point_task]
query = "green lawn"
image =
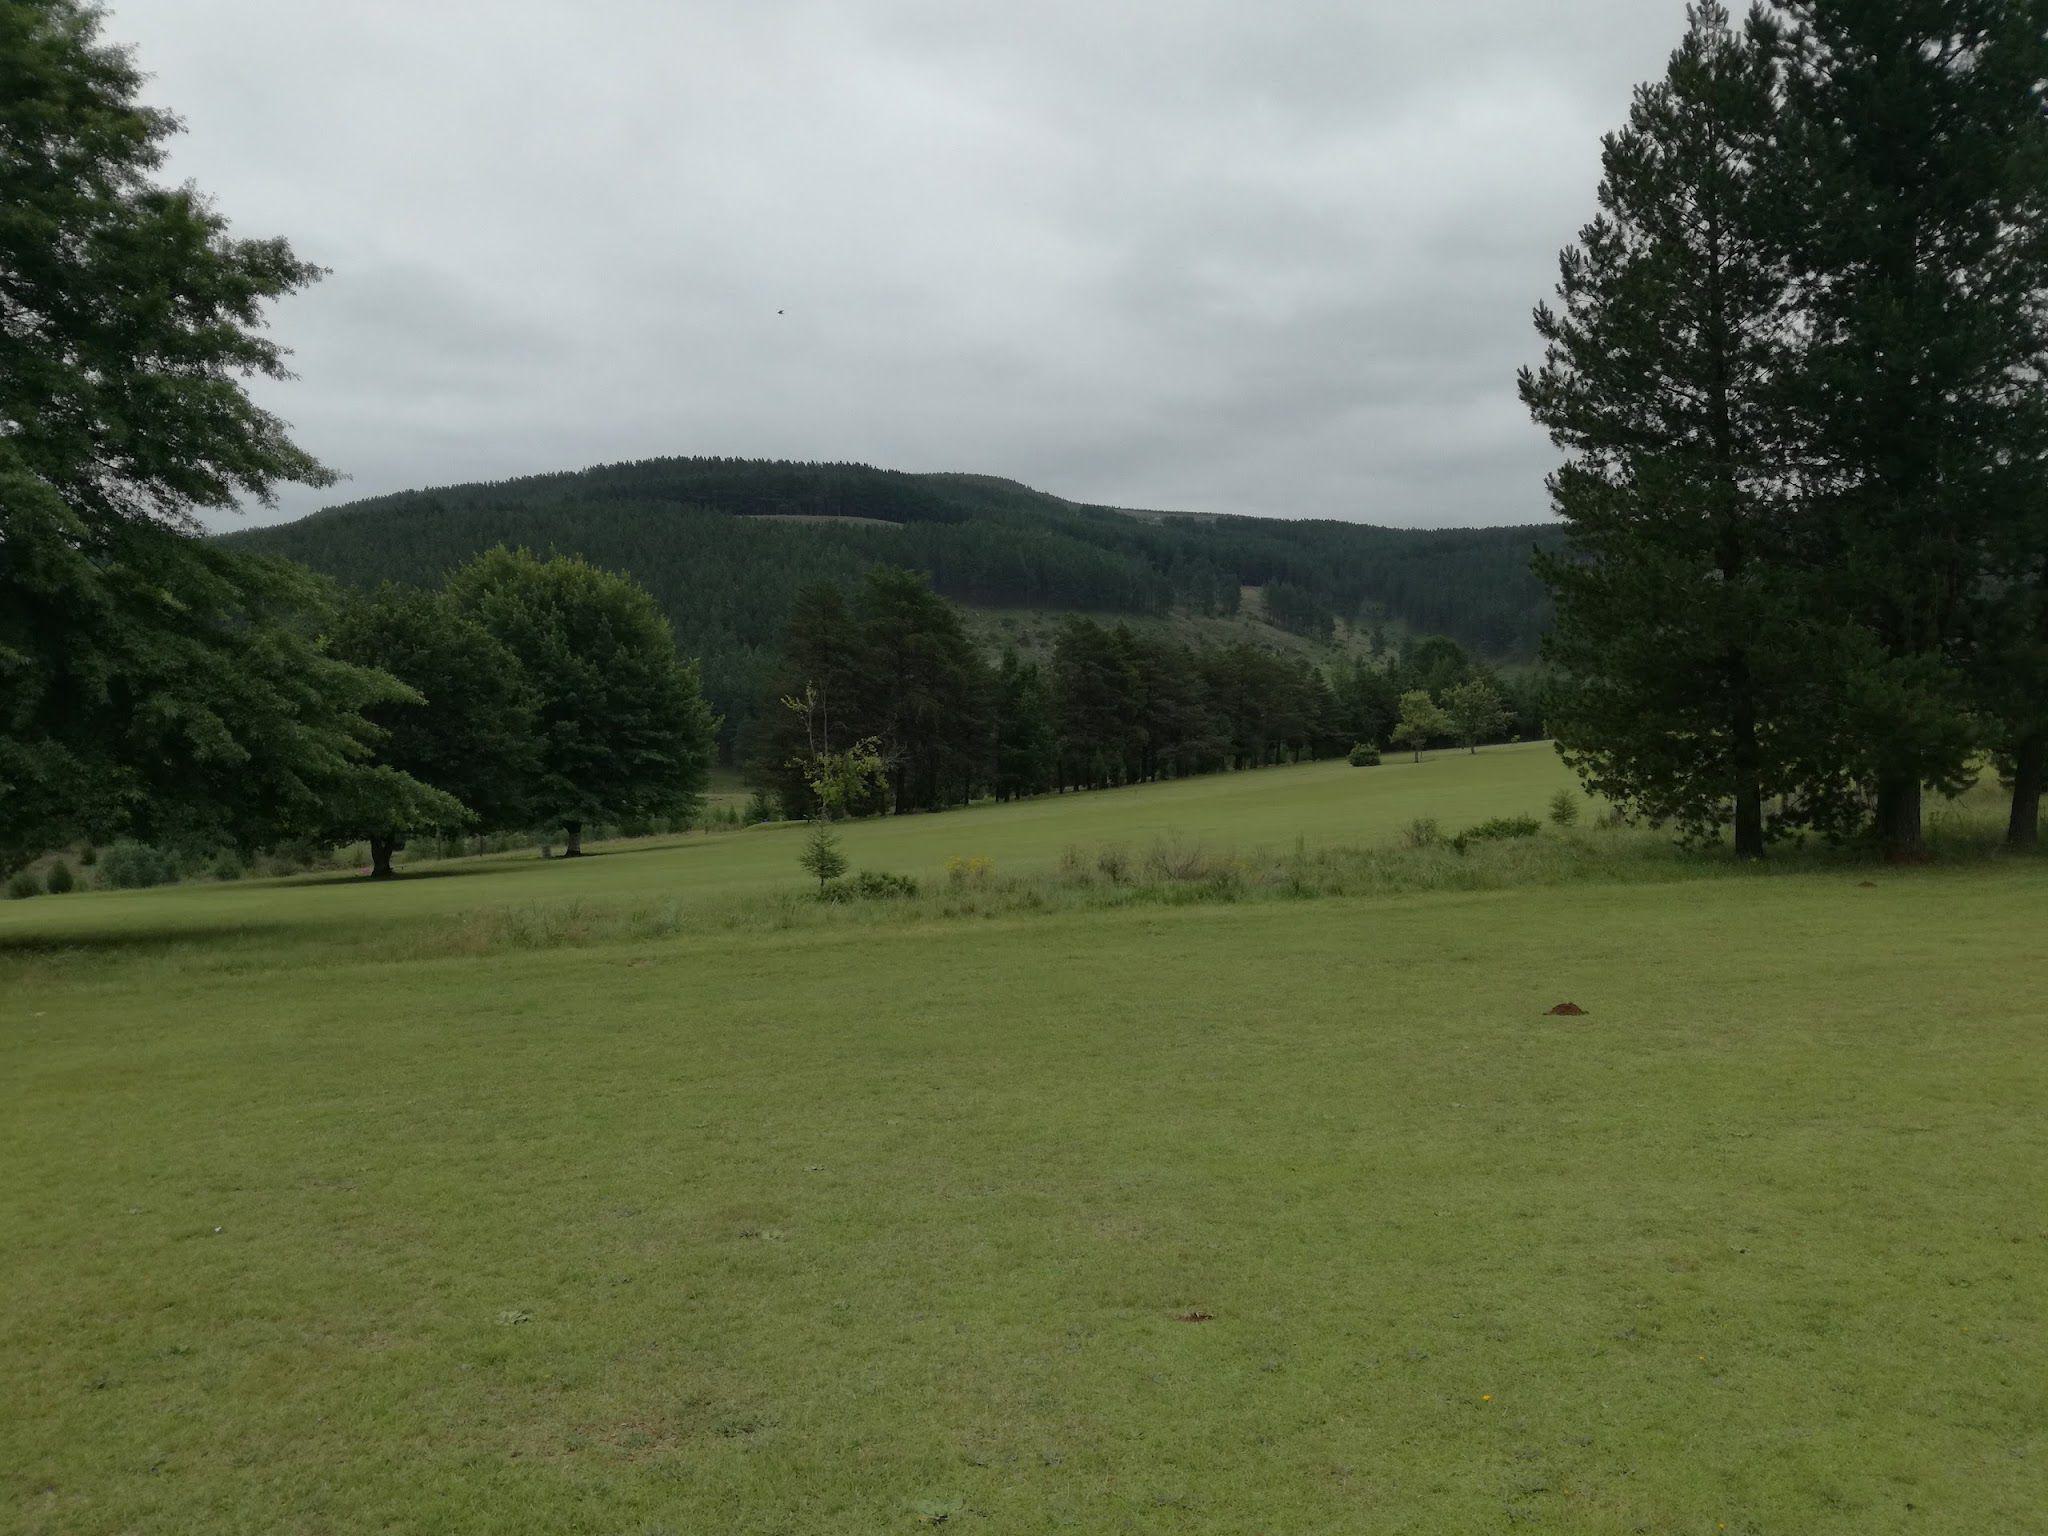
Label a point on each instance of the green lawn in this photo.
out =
(875, 1227)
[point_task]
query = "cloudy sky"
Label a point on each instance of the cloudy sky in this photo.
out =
(1273, 258)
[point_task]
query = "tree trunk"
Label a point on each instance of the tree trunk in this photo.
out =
(573, 832)
(380, 857)
(1898, 817)
(1744, 759)
(2030, 765)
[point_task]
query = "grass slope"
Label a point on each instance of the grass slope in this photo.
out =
(877, 1228)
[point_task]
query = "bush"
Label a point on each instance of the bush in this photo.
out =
(23, 884)
(88, 856)
(869, 885)
(1497, 829)
(974, 870)
(227, 865)
(129, 866)
(59, 880)
(1423, 832)
(1363, 756)
(759, 809)
(1113, 864)
(1564, 808)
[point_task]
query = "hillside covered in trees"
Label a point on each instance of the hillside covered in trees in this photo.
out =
(725, 544)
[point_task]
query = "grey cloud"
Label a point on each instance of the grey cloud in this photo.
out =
(1271, 258)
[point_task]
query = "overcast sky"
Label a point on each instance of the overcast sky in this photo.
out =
(1273, 258)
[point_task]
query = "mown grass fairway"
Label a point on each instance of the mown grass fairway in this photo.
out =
(876, 1227)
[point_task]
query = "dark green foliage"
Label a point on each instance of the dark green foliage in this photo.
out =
(1025, 747)
(1916, 134)
(1363, 756)
(59, 881)
(623, 731)
(471, 730)
(129, 865)
(158, 683)
(1497, 829)
(893, 666)
(1476, 711)
(1797, 373)
(1686, 670)
(703, 536)
(147, 681)
(869, 885)
(88, 856)
(22, 884)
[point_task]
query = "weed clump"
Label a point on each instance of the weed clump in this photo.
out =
(1497, 829)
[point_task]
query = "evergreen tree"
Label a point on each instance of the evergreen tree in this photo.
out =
(472, 732)
(623, 729)
(1915, 133)
(1681, 666)
(926, 689)
(1024, 747)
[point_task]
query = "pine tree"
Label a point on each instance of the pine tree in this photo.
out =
(1677, 638)
(1915, 132)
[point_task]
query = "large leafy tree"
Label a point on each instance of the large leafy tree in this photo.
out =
(1682, 652)
(623, 729)
(147, 681)
(470, 730)
(1915, 131)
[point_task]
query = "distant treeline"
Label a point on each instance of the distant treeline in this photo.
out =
(700, 535)
(891, 663)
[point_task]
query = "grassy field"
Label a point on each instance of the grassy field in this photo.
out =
(1232, 1216)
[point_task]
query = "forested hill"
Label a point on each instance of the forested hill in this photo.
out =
(724, 543)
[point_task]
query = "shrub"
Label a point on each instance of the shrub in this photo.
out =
(759, 809)
(59, 880)
(1564, 808)
(23, 884)
(1113, 864)
(88, 856)
(1423, 832)
(869, 885)
(974, 870)
(1497, 829)
(1363, 756)
(129, 866)
(227, 865)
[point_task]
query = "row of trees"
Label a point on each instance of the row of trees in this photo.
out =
(158, 685)
(891, 664)
(720, 544)
(1797, 369)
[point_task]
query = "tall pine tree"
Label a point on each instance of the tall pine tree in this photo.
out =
(1915, 133)
(1683, 660)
